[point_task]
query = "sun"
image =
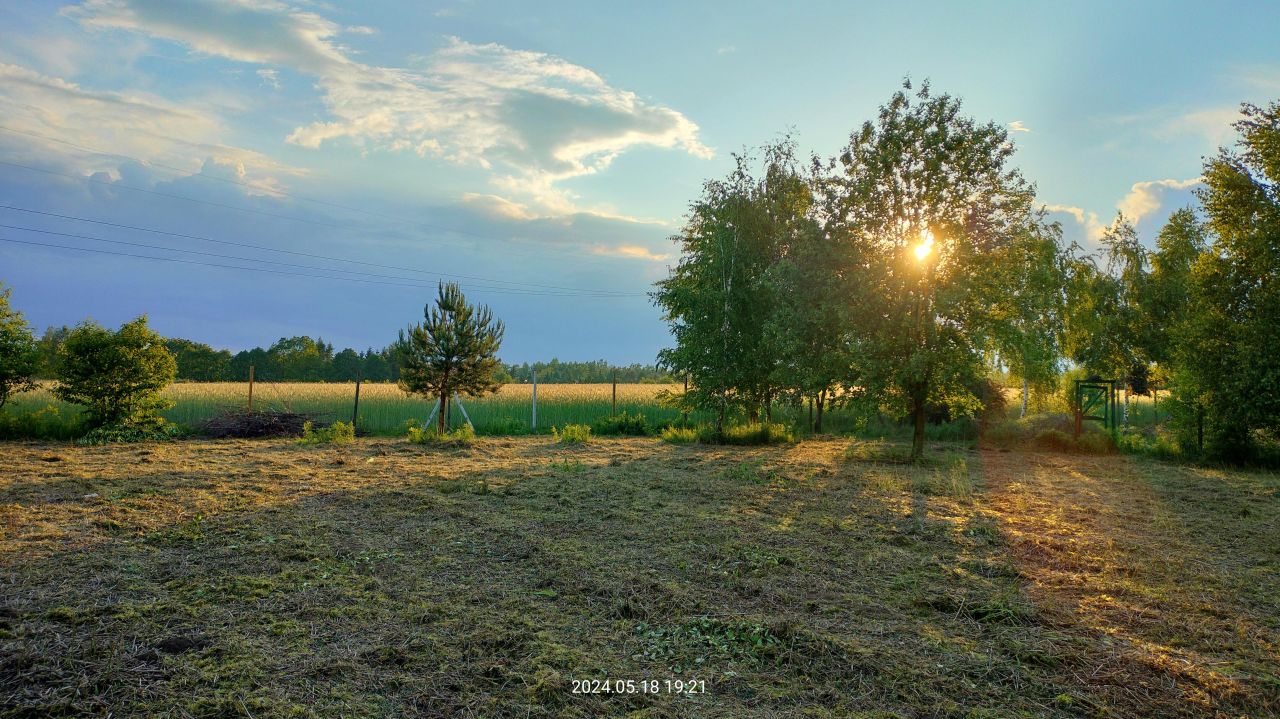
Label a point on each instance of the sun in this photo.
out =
(923, 249)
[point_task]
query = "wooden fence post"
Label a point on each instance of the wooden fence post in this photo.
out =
(534, 425)
(250, 388)
(615, 393)
(355, 410)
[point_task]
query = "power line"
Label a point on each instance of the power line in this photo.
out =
(583, 293)
(187, 173)
(251, 269)
(299, 254)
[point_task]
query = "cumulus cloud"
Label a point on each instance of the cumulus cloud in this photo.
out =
(1145, 198)
(1093, 227)
(534, 119)
(1017, 126)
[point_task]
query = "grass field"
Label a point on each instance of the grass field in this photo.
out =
(821, 579)
(384, 408)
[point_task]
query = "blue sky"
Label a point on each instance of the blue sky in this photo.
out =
(543, 151)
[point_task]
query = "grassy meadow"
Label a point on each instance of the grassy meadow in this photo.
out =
(823, 579)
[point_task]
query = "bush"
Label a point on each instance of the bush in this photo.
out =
(572, 434)
(117, 376)
(1054, 439)
(336, 433)
(463, 436)
(634, 425)
(746, 434)
(125, 433)
(679, 435)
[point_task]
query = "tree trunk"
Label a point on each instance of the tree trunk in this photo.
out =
(811, 425)
(442, 422)
(1025, 392)
(817, 427)
(768, 407)
(918, 413)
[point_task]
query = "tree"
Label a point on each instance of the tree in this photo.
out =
(718, 300)
(117, 376)
(48, 346)
(198, 361)
(1228, 375)
(346, 366)
(19, 356)
(924, 204)
(1030, 305)
(453, 352)
(1168, 298)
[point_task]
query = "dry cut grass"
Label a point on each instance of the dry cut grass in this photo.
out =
(267, 579)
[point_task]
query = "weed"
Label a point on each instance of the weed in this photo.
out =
(336, 433)
(572, 434)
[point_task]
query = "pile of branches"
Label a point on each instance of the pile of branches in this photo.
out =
(246, 423)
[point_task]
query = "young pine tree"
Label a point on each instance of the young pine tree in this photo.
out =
(453, 352)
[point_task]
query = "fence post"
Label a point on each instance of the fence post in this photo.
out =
(250, 388)
(534, 425)
(355, 410)
(615, 393)
(682, 400)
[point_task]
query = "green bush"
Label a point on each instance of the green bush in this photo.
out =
(117, 376)
(746, 434)
(572, 434)
(336, 433)
(634, 425)
(123, 433)
(463, 436)
(679, 435)
(1054, 439)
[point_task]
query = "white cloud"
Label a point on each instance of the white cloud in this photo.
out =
(44, 110)
(635, 252)
(270, 77)
(1213, 124)
(362, 30)
(1093, 228)
(1017, 126)
(726, 50)
(534, 119)
(1145, 198)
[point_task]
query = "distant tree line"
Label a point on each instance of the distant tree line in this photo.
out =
(597, 371)
(900, 274)
(303, 359)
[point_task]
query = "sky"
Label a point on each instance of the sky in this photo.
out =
(245, 171)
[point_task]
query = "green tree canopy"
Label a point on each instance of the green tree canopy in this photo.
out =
(1229, 368)
(925, 203)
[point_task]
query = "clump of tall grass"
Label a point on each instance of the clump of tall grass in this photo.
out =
(746, 434)
(47, 422)
(634, 425)
(463, 436)
(572, 434)
(679, 435)
(336, 433)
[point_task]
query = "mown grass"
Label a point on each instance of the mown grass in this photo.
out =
(383, 578)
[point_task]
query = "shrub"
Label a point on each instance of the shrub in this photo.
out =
(336, 433)
(634, 425)
(572, 434)
(1054, 439)
(679, 435)
(117, 376)
(1095, 443)
(463, 436)
(123, 433)
(746, 434)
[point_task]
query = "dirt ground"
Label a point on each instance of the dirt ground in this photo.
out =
(822, 579)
